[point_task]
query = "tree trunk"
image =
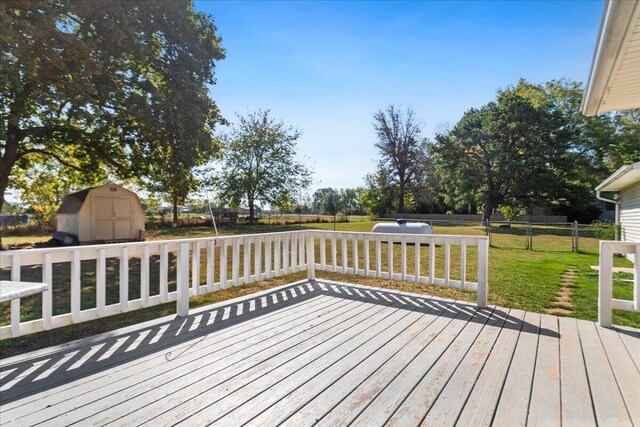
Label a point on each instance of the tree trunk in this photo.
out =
(401, 199)
(487, 208)
(251, 211)
(7, 162)
(175, 210)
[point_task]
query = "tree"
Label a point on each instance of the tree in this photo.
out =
(597, 146)
(80, 81)
(44, 185)
(379, 194)
(398, 142)
(185, 124)
(504, 153)
(258, 163)
(320, 199)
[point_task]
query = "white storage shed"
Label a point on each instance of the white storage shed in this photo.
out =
(107, 213)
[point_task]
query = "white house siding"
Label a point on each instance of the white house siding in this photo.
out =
(630, 213)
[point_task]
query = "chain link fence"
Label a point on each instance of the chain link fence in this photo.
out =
(561, 237)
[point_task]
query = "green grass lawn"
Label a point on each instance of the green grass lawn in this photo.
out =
(518, 278)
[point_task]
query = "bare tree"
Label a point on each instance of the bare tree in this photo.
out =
(399, 144)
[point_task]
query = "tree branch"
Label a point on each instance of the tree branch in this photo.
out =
(47, 153)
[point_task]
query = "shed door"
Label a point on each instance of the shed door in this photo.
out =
(122, 218)
(102, 224)
(111, 218)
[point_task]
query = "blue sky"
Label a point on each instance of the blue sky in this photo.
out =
(326, 67)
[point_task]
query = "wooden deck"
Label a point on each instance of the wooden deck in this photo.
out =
(334, 354)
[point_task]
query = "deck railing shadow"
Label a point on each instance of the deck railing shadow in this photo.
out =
(26, 377)
(177, 337)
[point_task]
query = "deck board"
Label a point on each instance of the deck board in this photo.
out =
(257, 331)
(331, 353)
(544, 407)
(577, 409)
(607, 401)
(481, 403)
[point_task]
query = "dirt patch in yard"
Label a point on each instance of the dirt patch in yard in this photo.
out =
(562, 304)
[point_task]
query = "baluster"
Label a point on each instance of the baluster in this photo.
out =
(211, 266)
(47, 296)
(463, 263)
(343, 245)
(378, 257)
(416, 247)
(144, 277)
(403, 253)
(164, 272)
(223, 264)
(334, 254)
(124, 279)
(276, 255)
(195, 268)
(390, 256)
(366, 255)
(267, 252)
(15, 303)
(432, 260)
(301, 250)
(257, 265)
(285, 253)
(235, 261)
(355, 254)
(247, 260)
(294, 253)
(323, 251)
(101, 281)
(75, 287)
(447, 260)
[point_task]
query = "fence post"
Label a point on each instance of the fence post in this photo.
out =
(311, 257)
(577, 238)
(529, 236)
(182, 278)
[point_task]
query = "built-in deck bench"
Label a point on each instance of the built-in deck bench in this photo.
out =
(13, 291)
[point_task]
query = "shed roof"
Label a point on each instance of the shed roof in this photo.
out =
(622, 178)
(614, 80)
(72, 203)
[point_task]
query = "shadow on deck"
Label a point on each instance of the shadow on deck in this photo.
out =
(36, 373)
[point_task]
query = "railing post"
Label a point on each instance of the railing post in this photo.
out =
(182, 285)
(605, 284)
(483, 263)
(311, 257)
(15, 303)
(636, 280)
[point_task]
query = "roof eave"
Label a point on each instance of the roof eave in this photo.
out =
(612, 183)
(616, 18)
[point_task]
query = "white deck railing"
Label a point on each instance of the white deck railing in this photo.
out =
(204, 265)
(606, 302)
